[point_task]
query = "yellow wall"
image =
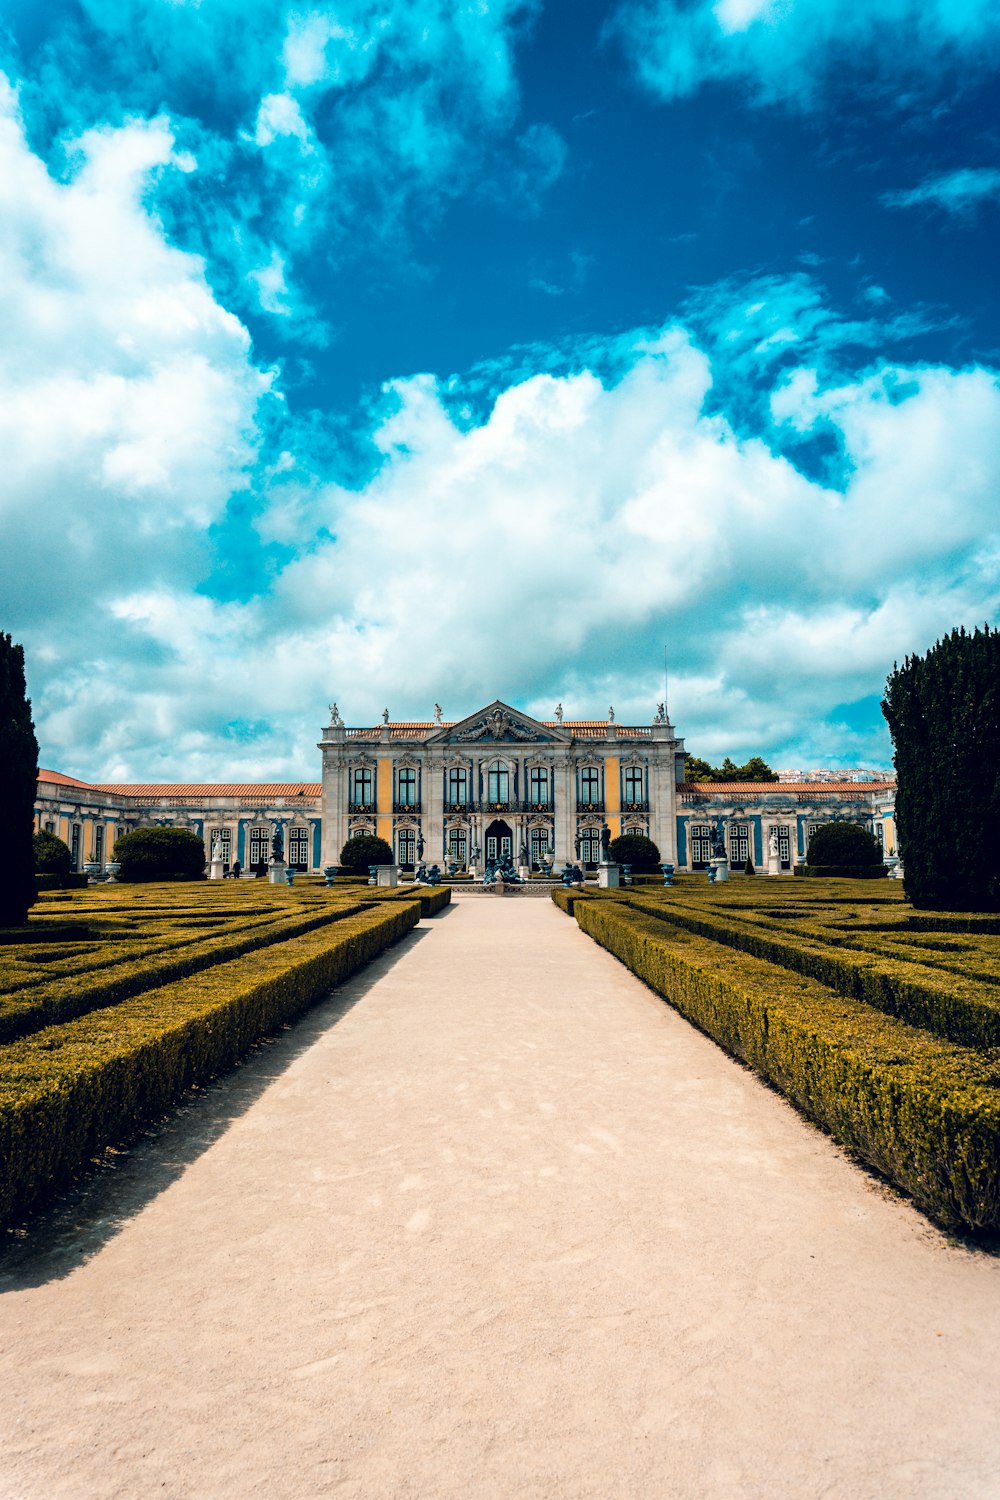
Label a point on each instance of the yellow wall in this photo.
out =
(384, 805)
(612, 795)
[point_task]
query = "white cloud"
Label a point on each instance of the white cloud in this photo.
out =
(787, 49)
(127, 394)
(961, 192)
(550, 549)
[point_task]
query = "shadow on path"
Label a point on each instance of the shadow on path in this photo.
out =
(119, 1184)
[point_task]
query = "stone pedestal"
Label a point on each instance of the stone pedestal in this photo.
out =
(276, 872)
(388, 875)
(721, 867)
(774, 864)
(608, 875)
(216, 869)
(524, 871)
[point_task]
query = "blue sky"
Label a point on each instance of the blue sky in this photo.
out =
(401, 354)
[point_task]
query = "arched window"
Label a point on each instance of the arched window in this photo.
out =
(635, 790)
(362, 787)
(498, 783)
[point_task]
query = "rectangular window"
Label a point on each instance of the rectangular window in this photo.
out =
(406, 787)
(406, 846)
(739, 844)
(298, 848)
(590, 845)
(458, 786)
(50, 827)
(538, 844)
(635, 790)
(363, 792)
(784, 843)
(99, 843)
(498, 783)
(225, 838)
(260, 846)
(701, 845)
(74, 845)
(538, 785)
(590, 785)
(880, 832)
(457, 845)
(499, 848)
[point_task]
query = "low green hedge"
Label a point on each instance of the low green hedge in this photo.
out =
(69, 1091)
(73, 880)
(843, 872)
(953, 1008)
(114, 973)
(922, 1112)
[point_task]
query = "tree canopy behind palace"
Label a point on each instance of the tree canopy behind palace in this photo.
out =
(943, 711)
(19, 772)
(755, 769)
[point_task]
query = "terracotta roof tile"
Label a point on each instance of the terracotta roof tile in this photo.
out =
(56, 778)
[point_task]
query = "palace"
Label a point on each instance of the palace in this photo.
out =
(497, 782)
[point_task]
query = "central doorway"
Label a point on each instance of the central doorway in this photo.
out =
(499, 840)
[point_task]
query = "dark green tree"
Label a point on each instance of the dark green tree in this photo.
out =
(160, 854)
(637, 850)
(19, 778)
(52, 855)
(755, 769)
(943, 711)
(843, 844)
(364, 849)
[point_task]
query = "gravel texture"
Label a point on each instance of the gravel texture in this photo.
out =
(494, 1222)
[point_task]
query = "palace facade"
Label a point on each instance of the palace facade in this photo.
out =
(497, 782)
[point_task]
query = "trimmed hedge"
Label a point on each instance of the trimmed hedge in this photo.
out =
(843, 872)
(69, 1091)
(922, 1112)
(113, 975)
(73, 880)
(955, 1009)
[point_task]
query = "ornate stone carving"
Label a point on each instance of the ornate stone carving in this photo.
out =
(498, 726)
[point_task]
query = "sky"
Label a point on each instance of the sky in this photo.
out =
(396, 354)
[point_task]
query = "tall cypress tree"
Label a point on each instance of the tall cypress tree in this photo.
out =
(19, 779)
(943, 711)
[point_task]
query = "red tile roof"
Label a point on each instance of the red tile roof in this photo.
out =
(56, 778)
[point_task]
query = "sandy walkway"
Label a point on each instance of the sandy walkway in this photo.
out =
(508, 1228)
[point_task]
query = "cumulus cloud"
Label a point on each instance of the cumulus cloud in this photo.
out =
(127, 393)
(550, 548)
(961, 192)
(328, 128)
(789, 50)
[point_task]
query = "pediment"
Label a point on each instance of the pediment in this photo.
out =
(498, 724)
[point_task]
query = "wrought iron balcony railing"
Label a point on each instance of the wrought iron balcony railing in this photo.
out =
(635, 807)
(361, 807)
(590, 807)
(406, 807)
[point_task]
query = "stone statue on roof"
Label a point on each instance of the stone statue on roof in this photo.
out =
(335, 720)
(611, 716)
(385, 716)
(661, 714)
(438, 714)
(559, 712)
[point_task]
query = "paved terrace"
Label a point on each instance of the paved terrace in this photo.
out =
(495, 1222)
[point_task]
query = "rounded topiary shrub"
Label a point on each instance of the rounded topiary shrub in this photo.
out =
(160, 854)
(364, 849)
(637, 850)
(843, 844)
(52, 856)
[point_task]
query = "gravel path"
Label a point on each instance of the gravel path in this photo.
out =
(495, 1222)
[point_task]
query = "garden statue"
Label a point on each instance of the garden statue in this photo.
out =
(523, 853)
(578, 844)
(772, 843)
(605, 843)
(420, 846)
(277, 847)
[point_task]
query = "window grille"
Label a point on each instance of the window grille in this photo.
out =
(298, 848)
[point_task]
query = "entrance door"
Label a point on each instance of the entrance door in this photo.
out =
(499, 840)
